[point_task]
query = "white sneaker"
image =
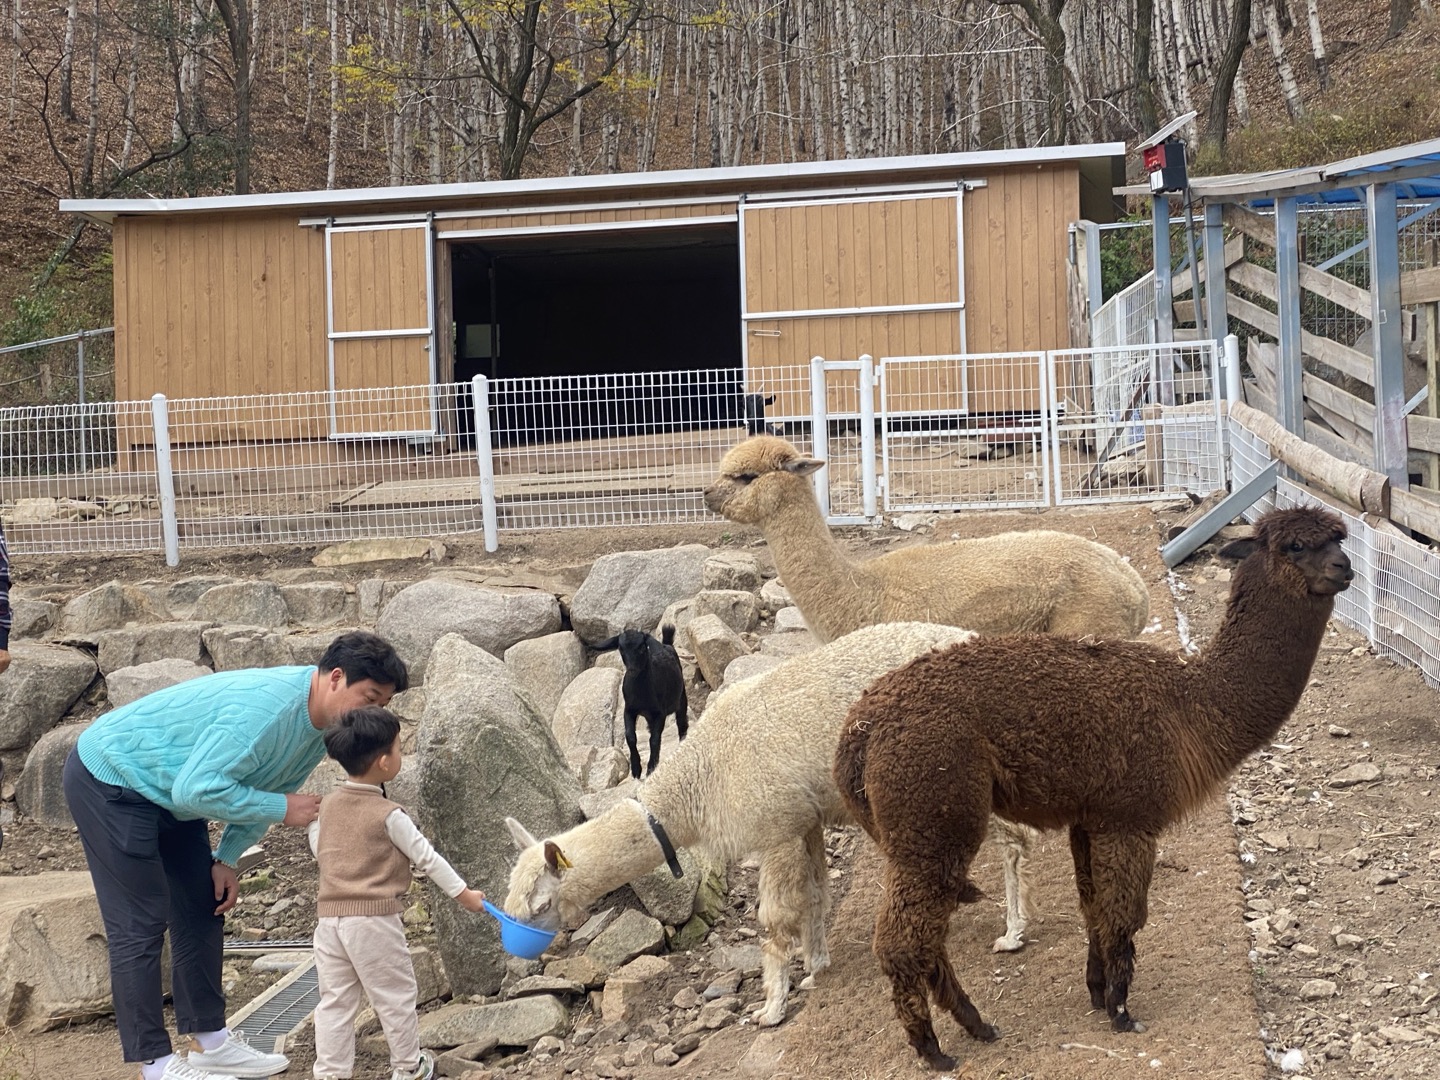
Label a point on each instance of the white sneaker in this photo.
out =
(237, 1058)
(177, 1068)
(424, 1071)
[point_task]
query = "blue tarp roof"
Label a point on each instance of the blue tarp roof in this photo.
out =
(1414, 169)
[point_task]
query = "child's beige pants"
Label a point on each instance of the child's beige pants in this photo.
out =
(355, 953)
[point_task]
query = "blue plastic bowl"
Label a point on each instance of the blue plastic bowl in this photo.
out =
(518, 938)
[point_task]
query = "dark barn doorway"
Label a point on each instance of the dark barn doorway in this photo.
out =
(649, 303)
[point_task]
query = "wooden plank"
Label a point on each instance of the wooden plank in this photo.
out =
(1234, 253)
(1420, 286)
(1250, 223)
(1416, 512)
(1336, 290)
(1341, 357)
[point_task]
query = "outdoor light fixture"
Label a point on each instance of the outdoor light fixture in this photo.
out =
(1163, 155)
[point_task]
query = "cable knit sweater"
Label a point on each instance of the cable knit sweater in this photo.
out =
(224, 747)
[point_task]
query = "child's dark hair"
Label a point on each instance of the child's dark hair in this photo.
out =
(361, 656)
(360, 736)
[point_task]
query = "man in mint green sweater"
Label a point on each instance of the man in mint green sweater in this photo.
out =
(142, 784)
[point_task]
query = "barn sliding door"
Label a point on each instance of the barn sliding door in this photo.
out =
(844, 276)
(381, 325)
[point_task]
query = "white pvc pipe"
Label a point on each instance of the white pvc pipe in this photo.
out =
(867, 434)
(484, 460)
(1232, 368)
(165, 479)
(820, 433)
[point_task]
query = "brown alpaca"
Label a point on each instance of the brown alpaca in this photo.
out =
(1114, 739)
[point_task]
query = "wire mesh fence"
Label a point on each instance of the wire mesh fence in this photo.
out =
(1395, 597)
(965, 431)
(596, 450)
(1135, 422)
(1128, 317)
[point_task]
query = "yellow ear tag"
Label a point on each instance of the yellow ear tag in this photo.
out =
(561, 862)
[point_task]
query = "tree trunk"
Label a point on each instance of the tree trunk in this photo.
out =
(237, 16)
(92, 126)
(1317, 45)
(1144, 84)
(332, 153)
(1293, 103)
(1217, 122)
(1401, 12)
(67, 60)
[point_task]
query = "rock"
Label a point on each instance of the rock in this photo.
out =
(518, 1022)
(743, 958)
(373, 594)
(736, 609)
(714, 645)
(1348, 941)
(774, 597)
(677, 615)
(544, 984)
(1383, 877)
(599, 768)
(668, 898)
(1278, 840)
(31, 618)
(914, 522)
(789, 644)
(54, 970)
(137, 645)
(1317, 990)
(788, 619)
(763, 1057)
(128, 684)
(180, 597)
(319, 603)
(633, 589)
(731, 570)
(631, 934)
(43, 681)
(351, 552)
(236, 647)
(245, 603)
(579, 969)
(727, 982)
(280, 961)
(748, 666)
(1337, 732)
(493, 619)
(543, 667)
(621, 1000)
(431, 983)
(38, 792)
(591, 929)
(585, 714)
(462, 1060)
(108, 607)
(482, 755)
(1359, 773)
(1396, 1034)
(309, 648)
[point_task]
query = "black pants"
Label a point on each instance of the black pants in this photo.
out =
(151, 872)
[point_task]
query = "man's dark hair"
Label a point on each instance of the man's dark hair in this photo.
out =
(360, 736)
(361, 656)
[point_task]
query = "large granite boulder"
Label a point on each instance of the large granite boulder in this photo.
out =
(247, 603)
(482, 755)
(633, 589)
(129, 684)
(42, 683)
(38, 791)
(493, 619)
(54, 970)
(145, 644)
(543, 667)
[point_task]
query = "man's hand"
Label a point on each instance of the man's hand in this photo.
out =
(4, 660)
(471, 900)
(300, 810)
(227, 886)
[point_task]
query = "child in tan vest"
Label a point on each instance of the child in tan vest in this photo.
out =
(365, 845)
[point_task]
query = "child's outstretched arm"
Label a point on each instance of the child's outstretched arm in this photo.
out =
(405, 836)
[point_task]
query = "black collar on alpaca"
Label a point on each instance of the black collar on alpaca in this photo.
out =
(665, 845)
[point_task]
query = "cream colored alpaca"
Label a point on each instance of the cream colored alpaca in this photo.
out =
(755, 775)
(1042, 581)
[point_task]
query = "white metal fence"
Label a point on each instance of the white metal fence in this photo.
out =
(1395, 597)
(1128, 317)
(576, 451)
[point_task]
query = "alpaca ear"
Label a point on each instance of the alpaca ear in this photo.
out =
(1240, 549)
(520, 834)
(555, 858)
(803, 466)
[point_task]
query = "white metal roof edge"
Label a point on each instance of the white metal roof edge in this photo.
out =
(1396, 156)
(107, 209)
(1307, 178)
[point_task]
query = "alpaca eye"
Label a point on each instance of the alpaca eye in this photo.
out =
(746, 477)
(1297, 546)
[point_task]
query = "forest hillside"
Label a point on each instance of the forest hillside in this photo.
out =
(170, 98)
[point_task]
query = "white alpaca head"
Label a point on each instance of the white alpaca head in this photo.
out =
(537, 883)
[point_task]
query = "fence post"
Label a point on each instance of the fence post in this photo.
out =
(165, 479)
(80, 397)
(1391, 435)
(484, 459)
(1164, 295)
(1232, 368)
(867, 434)
(820, 433)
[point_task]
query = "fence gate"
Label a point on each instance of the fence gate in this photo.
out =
(1133, 422)
(964, 432)
(842, 434)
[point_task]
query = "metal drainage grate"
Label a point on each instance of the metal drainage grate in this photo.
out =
(280, 1010)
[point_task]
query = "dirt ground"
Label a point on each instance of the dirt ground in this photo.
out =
(1295, 914)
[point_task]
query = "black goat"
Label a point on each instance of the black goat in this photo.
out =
(755, 413)
(654, 687)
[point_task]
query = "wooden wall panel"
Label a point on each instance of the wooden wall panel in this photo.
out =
(218, 305)
(1015, 245)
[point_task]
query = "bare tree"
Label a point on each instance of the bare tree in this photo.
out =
(237, 17)
(519, 47)
(1217, 122)
(1293, 103)
(1044, 16)
(1317, 44)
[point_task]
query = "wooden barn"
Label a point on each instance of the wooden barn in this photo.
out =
(757, 267)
